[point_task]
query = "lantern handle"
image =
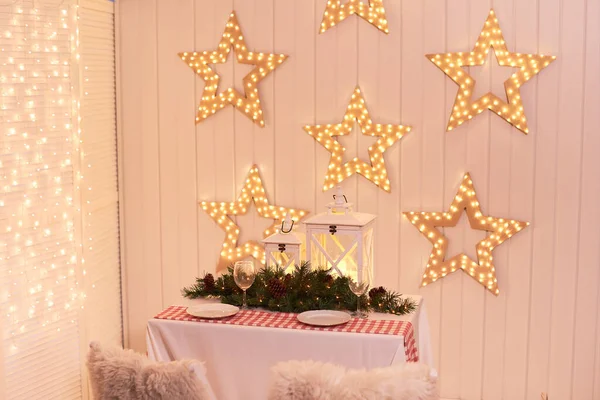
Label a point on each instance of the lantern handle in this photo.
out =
(345, 199)
(289, 230)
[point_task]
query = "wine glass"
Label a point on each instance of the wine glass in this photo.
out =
(244, 274)
(359, 284)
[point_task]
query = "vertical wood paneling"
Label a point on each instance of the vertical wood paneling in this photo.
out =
(498, 205)
(327, 109)
(214, 145)
(457, 39)
(434, 136)
(521, 208)
(543, 221)
(368, 42)
(588, 279)
(177, 141)
(389, 93)
(540, 334)
(262, 38)
(305, 182)
(477, 164)
(411, 145)
(286, 129)
(246, 133)
(568, 185)
(346, 74)
(139, 108)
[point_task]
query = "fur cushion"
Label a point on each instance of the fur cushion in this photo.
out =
(123, 374)
(309, 380)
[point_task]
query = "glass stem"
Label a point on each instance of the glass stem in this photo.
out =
(244, 304)
(357, 305)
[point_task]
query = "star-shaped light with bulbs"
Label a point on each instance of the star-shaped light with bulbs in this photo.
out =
(375, 171)
(465, 108)
(336, 12)
(482, 270)
(253, 190)
(249, 102)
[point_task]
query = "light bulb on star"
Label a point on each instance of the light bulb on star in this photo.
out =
(249, 102)
(336, 12)
(482, 270)
(375, 171)
(253, 191)
(465, 108)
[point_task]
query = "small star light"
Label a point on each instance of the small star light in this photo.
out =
(253, 190)
(337, 12)
(375, 171)
(483, 270)
(464, 107)
(249, 103)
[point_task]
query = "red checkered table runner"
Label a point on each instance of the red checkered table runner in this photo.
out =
(288, 320)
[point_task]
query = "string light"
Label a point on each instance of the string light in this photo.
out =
(336, 12)
(38, 240)
(375, 171)
(464, 107)
(253, 190)
(249, 103)
(483, 271)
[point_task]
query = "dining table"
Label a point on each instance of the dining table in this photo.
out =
(239, 351)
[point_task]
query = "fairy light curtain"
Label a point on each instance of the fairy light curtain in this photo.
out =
(58, 218)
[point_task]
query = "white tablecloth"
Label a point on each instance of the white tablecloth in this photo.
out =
(239, 358)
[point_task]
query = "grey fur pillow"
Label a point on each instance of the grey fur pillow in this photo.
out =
(125, 375)
(309, 380)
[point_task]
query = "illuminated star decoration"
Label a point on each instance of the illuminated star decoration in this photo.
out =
(249, 103)
(483, 270)
(336, 12)
(464, 107)
(253, 190)
(375, 171)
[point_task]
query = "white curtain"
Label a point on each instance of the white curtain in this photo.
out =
(59, 252)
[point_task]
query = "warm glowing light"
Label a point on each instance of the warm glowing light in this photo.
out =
(249, 102)
(39, 228)
(373, 12)
(375, 171)
(465, 108)
(253, 190)
(483, 269)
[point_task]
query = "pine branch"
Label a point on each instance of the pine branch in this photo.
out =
(301, 290)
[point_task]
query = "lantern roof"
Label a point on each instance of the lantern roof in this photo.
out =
(339, 213)
(285, 235)
(351, 219)
(282, 238)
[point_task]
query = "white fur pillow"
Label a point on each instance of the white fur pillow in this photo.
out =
(309, 380)
(123, 374)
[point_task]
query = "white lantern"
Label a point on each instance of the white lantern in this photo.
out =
(283, 248)
(340, 239)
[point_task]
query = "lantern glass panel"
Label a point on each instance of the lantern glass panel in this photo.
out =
(283, 260)
(341, 249)
(368, 247)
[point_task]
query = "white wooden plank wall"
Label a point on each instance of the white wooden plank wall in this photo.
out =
(540, 334)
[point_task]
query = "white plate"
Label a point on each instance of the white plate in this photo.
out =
(212, 311)
(324, 317)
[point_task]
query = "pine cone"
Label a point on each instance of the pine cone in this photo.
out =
(328, 279)
(377, 291)
(276, 288)
(209, 282)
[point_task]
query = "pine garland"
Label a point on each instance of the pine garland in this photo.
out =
(302, 290)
